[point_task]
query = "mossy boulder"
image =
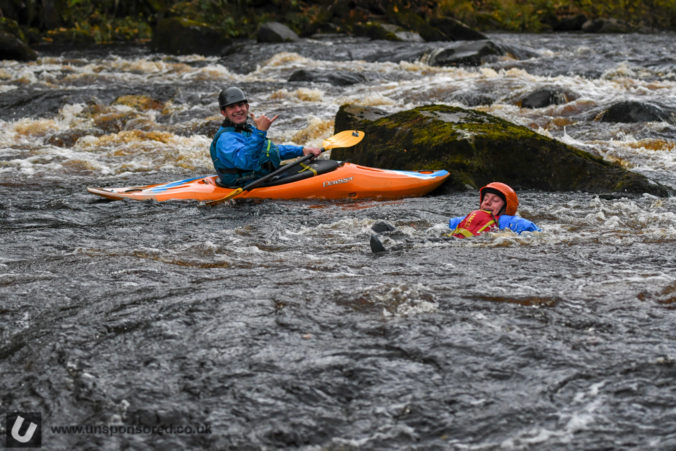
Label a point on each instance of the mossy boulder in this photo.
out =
(451, 29)
(12, 48)
(181, 36)
(13, 43)
(477, 148)
(375, 30)
(603, 25)
(69, 38)
(568, 23)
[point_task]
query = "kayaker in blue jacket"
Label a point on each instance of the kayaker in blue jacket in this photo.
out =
(497, 210)
(240, 150)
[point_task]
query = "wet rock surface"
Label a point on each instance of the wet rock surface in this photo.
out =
(477, 148)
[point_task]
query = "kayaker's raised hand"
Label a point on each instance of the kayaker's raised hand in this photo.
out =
(312, 150)
(263, 122)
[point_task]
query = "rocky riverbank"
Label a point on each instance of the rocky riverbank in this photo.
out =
(211, 27)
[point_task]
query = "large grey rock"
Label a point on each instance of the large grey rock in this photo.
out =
(465, 53)
(477, 148)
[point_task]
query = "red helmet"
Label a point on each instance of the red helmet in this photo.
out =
(504, 191)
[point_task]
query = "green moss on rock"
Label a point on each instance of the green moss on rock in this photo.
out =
(478, 148)
(180, 36)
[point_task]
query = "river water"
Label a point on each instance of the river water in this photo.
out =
(271, 325)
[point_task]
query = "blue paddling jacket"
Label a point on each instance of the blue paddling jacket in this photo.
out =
(243, 154)
(514, 223)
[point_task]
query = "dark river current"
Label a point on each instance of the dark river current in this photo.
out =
(272, 325)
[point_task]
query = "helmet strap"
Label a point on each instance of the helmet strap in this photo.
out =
(245, 127)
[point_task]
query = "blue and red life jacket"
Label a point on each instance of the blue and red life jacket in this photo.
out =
(475, 223)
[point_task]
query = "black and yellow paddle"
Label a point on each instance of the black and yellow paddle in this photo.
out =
(347, 138)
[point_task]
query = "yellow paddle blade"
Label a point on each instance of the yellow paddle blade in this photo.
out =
(223, 199)
(345, 138)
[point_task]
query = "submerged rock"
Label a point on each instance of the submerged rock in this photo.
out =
(385, 238)
(68, 138)
(632, 111)
(465, 53)
(547, 96)
(376, 245)
(474, 53)
(337, 78)
(477, 148)
(382, 226)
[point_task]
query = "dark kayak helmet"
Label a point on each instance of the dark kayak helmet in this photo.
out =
(230, 96)
(505, 192)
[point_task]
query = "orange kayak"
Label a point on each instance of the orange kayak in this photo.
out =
(345, 181)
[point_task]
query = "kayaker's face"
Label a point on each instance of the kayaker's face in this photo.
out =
(237, 113)
(493, 203)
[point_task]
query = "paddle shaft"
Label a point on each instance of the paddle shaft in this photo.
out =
(265, 178)
(280, 169)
